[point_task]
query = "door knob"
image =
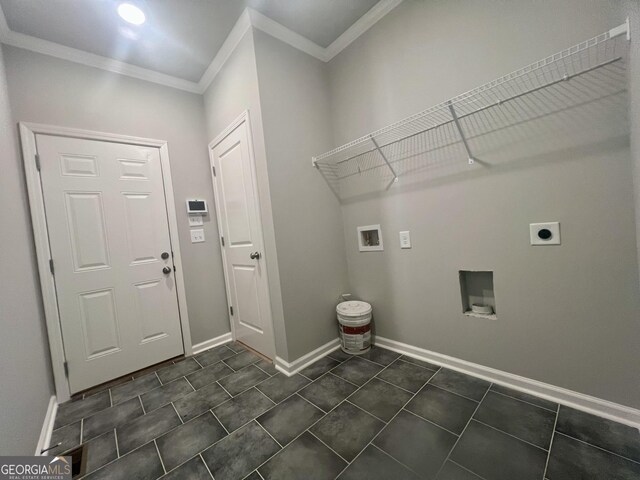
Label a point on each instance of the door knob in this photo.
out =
(166, 270)
(164, 255)
(254, 256)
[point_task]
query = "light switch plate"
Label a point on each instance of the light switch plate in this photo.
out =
(197, 235)
(195, 221)
(545, 233)
(405, 239)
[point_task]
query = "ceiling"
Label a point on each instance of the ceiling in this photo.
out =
(180, 37)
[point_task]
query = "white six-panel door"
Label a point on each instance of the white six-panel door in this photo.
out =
(108, 230)
(235, 187)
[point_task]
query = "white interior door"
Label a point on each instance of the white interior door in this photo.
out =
(243, 252)
(112, 257)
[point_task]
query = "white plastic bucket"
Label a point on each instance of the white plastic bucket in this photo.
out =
(354, 320)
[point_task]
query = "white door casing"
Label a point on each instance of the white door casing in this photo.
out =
(109, 215)
(239, 222)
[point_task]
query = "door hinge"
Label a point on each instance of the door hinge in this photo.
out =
(51, 266)
(37, 162)
(66, 369)
(214, 170)
(222, 240)
(231, 310)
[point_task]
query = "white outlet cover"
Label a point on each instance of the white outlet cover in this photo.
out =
(545, 233)
(405, 239)
(195, 221)
(197, 235)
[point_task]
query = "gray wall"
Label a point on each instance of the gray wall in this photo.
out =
(47, 90)
(633, 8)
(568, 315)
(234, 90)
(25, 375)
(294, 95)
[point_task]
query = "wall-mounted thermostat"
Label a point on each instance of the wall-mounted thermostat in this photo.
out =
(196, 207)
(545, 233)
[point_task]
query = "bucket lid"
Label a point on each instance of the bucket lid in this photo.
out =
(353, 308)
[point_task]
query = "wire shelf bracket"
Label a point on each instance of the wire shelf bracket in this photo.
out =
(461, 119)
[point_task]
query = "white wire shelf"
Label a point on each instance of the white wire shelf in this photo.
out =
(591, 70)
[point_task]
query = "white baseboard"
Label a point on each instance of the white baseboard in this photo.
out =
(294, 367)
(212, 342)
(579, 401)
(47, 426)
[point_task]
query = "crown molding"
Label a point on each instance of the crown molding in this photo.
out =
(249, 18)
(231, 42)
(364, 23)
(275, 29)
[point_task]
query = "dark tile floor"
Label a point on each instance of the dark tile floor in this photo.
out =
(228, 414)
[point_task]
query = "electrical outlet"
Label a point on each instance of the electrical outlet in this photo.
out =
(195, 221)
(197, 235)
(405, 239)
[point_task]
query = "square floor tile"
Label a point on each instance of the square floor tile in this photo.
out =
(194, 469)
(305, 458)
(242, 360)
(347, 430)
(381, 356)
(242, 409)
(448, 410)
(208, 375)
(214, 355)
(328, 391)
(141, 464)
(243, 379)
(571, 459)
(340, 355)
(237, 455)
(290, 418)
(416, 443)
(420, 363)
(374, 464)
(456, 382)
(601, 432)
(110, 418)
(319, 367)
(523, 420)
(406, 375)
(357, 371)
(68, 437)
(73, 411)
(451, 471)
(177, 370)
(525, 397)
(380, 399)
(189, 439)
(145, 428)
(195, 403)
(100, 451)
(134, 388)
(496, 455)
(279, 387)
(160, 396)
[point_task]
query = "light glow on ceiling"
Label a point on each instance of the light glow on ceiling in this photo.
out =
(131, 13)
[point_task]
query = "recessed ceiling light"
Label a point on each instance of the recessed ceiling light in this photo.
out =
(131, 13)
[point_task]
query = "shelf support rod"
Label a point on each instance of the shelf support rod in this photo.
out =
(395, 175)
(454, 115)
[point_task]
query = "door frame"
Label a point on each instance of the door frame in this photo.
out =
(243, 117)
(28, 132)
